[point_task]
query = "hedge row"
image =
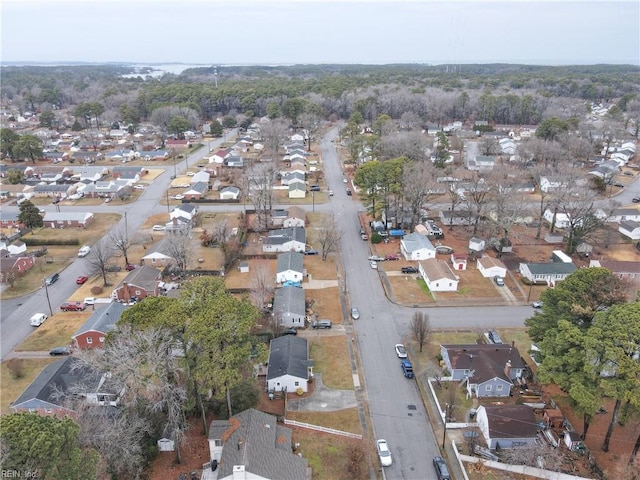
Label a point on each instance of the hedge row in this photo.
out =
(37, 242)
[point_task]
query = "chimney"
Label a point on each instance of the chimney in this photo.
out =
(238, 473)
(126, 296)
(507, 369)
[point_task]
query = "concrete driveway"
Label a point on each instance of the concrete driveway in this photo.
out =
(323, 399)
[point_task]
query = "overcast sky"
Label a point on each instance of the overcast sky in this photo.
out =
(218, 32)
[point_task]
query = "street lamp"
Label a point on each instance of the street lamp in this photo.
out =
(313, 199)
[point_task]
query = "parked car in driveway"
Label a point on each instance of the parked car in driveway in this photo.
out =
(384, 453)
(376, 258)
(158, 228)
(499, 281)
(289, 331)
(89, 300)
(55, 351)
(82, 279)
(392, 257)
(409, 270)
(537, 304)
(321, 324)
(311, 251)
(314, 188)
(130, 266)
(72, 306)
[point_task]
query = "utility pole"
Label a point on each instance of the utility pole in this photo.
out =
(46, 291)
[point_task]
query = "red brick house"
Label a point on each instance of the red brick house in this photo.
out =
(10, 220)
(67, 219)
(18, 265)
(93, 332)
(138, 284)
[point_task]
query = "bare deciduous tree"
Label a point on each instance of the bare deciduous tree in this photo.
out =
(420, 328)
(262, 286)
(179, 248)
(419, 182)
(260, 179)
(121, 242)
(98, 259)
(328, 237)
(274, 133)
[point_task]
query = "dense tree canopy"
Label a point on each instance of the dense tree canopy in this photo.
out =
(45, 446)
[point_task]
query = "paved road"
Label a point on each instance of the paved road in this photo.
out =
(15, 313)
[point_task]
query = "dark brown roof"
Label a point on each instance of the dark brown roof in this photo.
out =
(487, 360)
(511, 421)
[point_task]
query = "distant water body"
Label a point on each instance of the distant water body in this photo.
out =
(160, 69)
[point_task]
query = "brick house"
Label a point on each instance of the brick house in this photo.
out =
(93, 332)
(140, 283)
(67, 219)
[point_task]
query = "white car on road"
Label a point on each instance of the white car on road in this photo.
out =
(384, 453)
(38, 319)
(401, 352)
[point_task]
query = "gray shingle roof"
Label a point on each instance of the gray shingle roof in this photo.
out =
(288, 356)
(284, 235)
(103, 319)
(289, 299)
(290, 261)
(255, 441)
(551, 268)
(144, 276)
(415, 241)
(41, 392)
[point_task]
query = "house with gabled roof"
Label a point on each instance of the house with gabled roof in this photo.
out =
(140, 283)
(289, 307)
(10, 219)
(229, 193)
(18, 264)
(133, 173)
(417, 247)
(630, 229)
(219, 156)
(620, 215)
(457, 217)
(296, 217)
(438, 275)
(201, 176)
(233, 161)
(546, 273)
(481, 163)
(67, 219)
(253, 445)
(289, 367)
(284, 240)
(489, 369)
(93, 332)
(507, 426)
(620, 268)
(42, 395)
(196, 191)
(287, 178)
(290, 267)
(105, 189)
(490, 267)
(52, 190)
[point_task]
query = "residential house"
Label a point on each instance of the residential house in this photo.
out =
(156, 258)
(481, 163)
(489, 369)
(14, 249)
(562, 220)
(457, 217)
(297, 190)
(546, 273)
(620, 215)
(12, 191)
(287, 178)
(551, 184)
(290, 267)
(507, 426)
(90, 173)
(200, 177)
(52, 190)
(284, 240)
(186, 211)
(234, 161)
(438, 275)
(18, 265)
(278, 217)
(218, 156)
(42, 395)
(490, 267)
(289, 307)
(630, 229)
(623, 269)
(154, 155)
(253, 445)
(106, 189)
(417, 247)
(93, 332)
(289, 367)
(297, 138)
(67, 219)
(229, 193)
(197, 191)
(140, 283)
(123, 156)
(296, 217)
(133, 173)
(10, 219)
(178, 145)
